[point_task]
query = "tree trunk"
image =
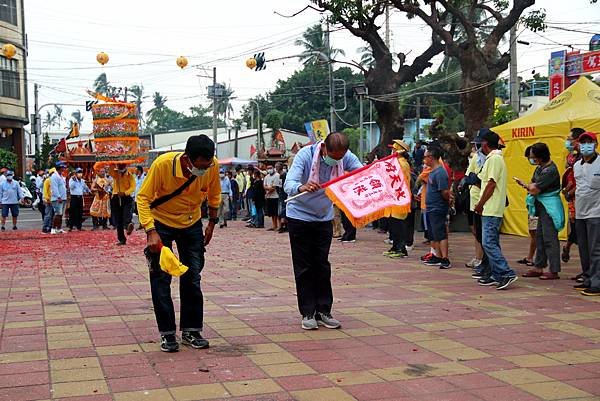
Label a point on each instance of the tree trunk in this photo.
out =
(478, 104)
(381, 81)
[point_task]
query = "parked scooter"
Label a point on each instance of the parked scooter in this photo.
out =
(27, 197)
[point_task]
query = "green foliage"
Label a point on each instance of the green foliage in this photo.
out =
(503, 114)
(353, 135)
(535, 20)
(313, 40)
(8, 159)
(432, 106)
(161, 118)
(304, 97)
(274, 119)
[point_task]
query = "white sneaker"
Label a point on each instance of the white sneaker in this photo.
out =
(388, 241)
(60, 231)
(53, 231)
(410, 247)
(471, 263)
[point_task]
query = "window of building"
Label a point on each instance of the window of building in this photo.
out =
(10, 85)
(8, 11)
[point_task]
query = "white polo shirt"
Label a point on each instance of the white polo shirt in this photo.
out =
(587, 192)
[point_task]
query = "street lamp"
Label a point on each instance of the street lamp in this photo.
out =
(360, 91)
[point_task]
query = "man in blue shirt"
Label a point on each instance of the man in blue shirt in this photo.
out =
(77, 188)
(58, 188)
(310, 225)
(10, 196)
(438, 205)
(226, 193)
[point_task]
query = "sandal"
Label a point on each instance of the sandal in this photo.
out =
(533, 273)
(565, 257)
(549, 276)
(525, 262)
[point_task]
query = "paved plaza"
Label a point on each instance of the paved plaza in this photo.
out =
(77, 324)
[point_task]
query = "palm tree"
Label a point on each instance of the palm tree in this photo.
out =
(101, 84)
(137, 91)
(58, 113)
(49, 121)
(313, 40)
(366, 56)
(77, 117)
(159, 105)
(223, 105)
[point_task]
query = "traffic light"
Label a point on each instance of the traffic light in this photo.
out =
(257, 62)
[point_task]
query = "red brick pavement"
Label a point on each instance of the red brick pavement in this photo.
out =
(77, 324)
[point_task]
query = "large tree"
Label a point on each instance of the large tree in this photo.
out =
(476, 47)
(360, 17)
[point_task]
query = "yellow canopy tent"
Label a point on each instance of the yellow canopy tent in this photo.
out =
(577, 106)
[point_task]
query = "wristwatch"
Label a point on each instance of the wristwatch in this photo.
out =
(213, 220)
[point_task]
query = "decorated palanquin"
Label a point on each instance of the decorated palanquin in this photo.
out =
(116, 127)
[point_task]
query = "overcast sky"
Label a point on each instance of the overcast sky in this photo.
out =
(144, 38)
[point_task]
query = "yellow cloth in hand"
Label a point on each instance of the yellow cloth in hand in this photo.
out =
(170, 264)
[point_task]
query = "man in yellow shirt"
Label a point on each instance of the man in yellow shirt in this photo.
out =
(169, 210)
(121, 203)
(47, 199)
(491, 205)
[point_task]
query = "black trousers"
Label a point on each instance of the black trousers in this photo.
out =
(76, 211)
(402, 232)
(310, 242)
(190, 246)
(349, 229)
(121, 210)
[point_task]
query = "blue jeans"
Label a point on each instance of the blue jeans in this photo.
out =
(499, 268)
(259, 218)
(190, 246)
(48, 216)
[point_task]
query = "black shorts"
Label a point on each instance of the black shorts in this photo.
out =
(436, 225)
(272, 207)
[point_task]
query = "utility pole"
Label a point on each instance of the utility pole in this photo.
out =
(36, 118)
(387, 26)
(331, 88)
(418, 133)
(514, 79)
(214, 108)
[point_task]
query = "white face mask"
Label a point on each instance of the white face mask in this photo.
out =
(198, 172)
(222, 175)
(270, 171)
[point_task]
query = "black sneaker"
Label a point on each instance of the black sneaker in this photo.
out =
(193, 339)
(445, 264)
(505, 282)
(15, 228)
(168, 343)
(3, 229)
(591, 292)
(487, 281)
(477, 275)
(433, 261)
(581, 287)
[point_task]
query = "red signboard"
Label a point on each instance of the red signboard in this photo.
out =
(590, 62)
(556, 72)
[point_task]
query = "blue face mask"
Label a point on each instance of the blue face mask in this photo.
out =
(569, 145)
(532, 162)
(587, 149)
(330, 161)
